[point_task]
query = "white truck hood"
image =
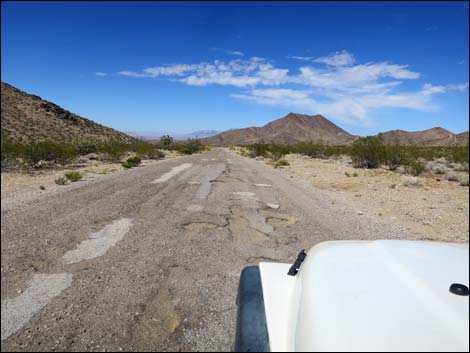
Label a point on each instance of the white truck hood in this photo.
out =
(370, 296)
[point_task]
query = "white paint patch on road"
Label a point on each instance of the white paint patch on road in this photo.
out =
(194, 183)
(195, 208)
(246, 195)
(174, 171)
(274, 206)
(262, 185)
(99, 242)
(16, 312)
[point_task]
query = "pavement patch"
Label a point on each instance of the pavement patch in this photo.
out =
(174, 171)
(195, 208)
(99, 242)
(16, 312)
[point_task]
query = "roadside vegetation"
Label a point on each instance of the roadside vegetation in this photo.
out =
(73, 176)
(50, 154)
(370, 152)
(132, 162)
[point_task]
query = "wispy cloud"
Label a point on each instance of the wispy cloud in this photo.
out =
(334, 85)
(101, 73)
(342, 58)
(235, 53)
(461, 62)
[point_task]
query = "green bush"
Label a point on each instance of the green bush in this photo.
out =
(61, 180)
(414, 167)
(132, 162)
(73, 176)
(259, 149)
(368, 152)
(86, 147)
(394, 156)
(281, 163)
(189, 147)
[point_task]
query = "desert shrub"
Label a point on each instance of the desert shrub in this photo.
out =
(452, 177)
(414, 167)
(113, 149)
(258, 149)
(132, 162)
(61, 180)
(46, 151)
(463, 180)
(156, 154)
(459, 154)
(281, 163)
(368, 152)
(439, 169)
(189, 147)
(86, 147)
(413, 182)
(73, 176)
(394, 157)
(166, 141)
(314, 150)
(275, 156)
(458, 167)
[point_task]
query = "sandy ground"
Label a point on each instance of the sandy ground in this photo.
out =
(23, 184)
(437, 210)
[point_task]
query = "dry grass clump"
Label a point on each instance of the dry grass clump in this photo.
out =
(413, 182)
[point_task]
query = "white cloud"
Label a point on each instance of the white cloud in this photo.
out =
(333, 85)
(101, 73)
(342, 58)
(234, 52)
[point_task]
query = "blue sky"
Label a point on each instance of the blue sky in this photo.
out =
(156, 66)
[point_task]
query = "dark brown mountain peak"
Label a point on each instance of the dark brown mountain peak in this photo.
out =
(289, 129)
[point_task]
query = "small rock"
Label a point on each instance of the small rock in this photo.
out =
(360, 213)
(273, 205)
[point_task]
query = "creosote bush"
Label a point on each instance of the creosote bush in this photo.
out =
(61, 180)
(368, 152)
(132, 162)
(73, 176)
(281, 163)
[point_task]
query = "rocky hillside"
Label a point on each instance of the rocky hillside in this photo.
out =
(27, 118)
(462, 138)
(292, 128)
(436, 136)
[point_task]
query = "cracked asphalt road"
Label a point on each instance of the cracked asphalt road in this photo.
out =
(156, 264)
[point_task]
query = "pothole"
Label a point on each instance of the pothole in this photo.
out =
(198, 226)
(280, 221)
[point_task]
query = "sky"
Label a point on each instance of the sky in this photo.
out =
(188, 66)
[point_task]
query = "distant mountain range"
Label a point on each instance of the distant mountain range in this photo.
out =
(294, 128)
(27, 118)
(156, 135)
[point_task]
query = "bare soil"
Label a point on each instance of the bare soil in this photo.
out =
(435, 209)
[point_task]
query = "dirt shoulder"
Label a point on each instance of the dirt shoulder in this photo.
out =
(430, 207)
(26, 185)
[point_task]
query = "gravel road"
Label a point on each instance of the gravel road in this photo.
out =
(149, 258)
